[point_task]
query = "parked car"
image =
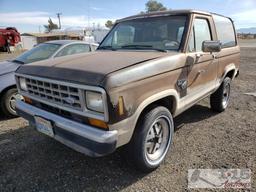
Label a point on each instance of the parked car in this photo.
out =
(148, 69)
(51, 49)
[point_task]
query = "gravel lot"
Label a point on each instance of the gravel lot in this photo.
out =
(30, 161)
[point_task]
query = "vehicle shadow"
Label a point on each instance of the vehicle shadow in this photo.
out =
(4, 118)
(194, 114)
(46, 164)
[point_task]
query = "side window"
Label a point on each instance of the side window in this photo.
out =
(180, 33)
(74, 49)
(191, 43)
(123, 35)
(225, 31)
(201, 32)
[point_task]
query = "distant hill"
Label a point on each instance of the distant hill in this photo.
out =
(251, 30)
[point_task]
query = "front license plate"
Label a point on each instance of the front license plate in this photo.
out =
(44, 126)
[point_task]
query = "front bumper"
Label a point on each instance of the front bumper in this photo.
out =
(80, 137)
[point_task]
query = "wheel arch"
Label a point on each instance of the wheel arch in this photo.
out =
(168, 99)
(6, 89)
(229, 71)
(160, 98)
(126, 127)
(231, 74)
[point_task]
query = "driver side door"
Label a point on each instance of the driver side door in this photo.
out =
(202, 70)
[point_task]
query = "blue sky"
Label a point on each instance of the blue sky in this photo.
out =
(28, 15)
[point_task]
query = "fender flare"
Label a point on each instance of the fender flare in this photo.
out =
(227, 69)
(156, 97)
(127, 126)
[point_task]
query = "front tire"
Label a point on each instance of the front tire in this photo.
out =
(8, 102)
(219, 100)
(152, 139)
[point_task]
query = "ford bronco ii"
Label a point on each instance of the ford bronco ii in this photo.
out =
(147, 70)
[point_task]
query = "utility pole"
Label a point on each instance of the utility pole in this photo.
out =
(58, 15)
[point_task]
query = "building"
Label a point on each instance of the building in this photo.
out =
(29, 40)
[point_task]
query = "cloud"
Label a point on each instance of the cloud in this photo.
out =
(40, 18)
(242, 12)
(97, 8)
(244, 4)
(245, 18)
(36, 17)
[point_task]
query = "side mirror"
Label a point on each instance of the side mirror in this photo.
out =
(211, 46)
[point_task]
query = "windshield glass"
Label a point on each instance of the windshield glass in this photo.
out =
(40, 52)
(157, 33)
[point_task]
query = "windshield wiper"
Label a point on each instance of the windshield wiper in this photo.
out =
(106, 48)
(146, 47)
(18, 61)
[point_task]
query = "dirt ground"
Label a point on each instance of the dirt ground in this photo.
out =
(247, 42)
(30, 161)
(6, 56)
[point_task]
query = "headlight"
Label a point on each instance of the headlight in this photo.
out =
(94, 101)
(23, 85)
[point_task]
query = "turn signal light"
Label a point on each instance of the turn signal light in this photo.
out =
(27, 100)
(98, 123)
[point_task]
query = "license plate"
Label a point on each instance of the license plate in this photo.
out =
(44, 126)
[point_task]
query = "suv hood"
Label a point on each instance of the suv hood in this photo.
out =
(88, 68)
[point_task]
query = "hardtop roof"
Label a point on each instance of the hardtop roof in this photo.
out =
(166, 13)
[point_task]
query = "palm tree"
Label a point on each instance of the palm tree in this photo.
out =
(50, 26)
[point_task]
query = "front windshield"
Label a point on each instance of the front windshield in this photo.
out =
(155, 33)
(40, 52)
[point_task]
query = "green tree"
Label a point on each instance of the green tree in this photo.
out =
(50, 26)
(153, 5)
(109, 24)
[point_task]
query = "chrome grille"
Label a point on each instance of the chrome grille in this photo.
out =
(65, 96)
(55, 93)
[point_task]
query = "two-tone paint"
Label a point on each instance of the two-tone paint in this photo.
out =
(136, 79)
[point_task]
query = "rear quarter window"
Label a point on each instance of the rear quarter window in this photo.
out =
(225, 31)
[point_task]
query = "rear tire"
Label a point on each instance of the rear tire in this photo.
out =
(219, 100)
(151, 140)
(8, 102)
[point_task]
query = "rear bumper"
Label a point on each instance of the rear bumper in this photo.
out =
(80, 137)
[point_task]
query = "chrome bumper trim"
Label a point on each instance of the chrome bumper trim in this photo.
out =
(76, 128)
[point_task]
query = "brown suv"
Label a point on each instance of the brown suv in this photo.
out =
(147, 70)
